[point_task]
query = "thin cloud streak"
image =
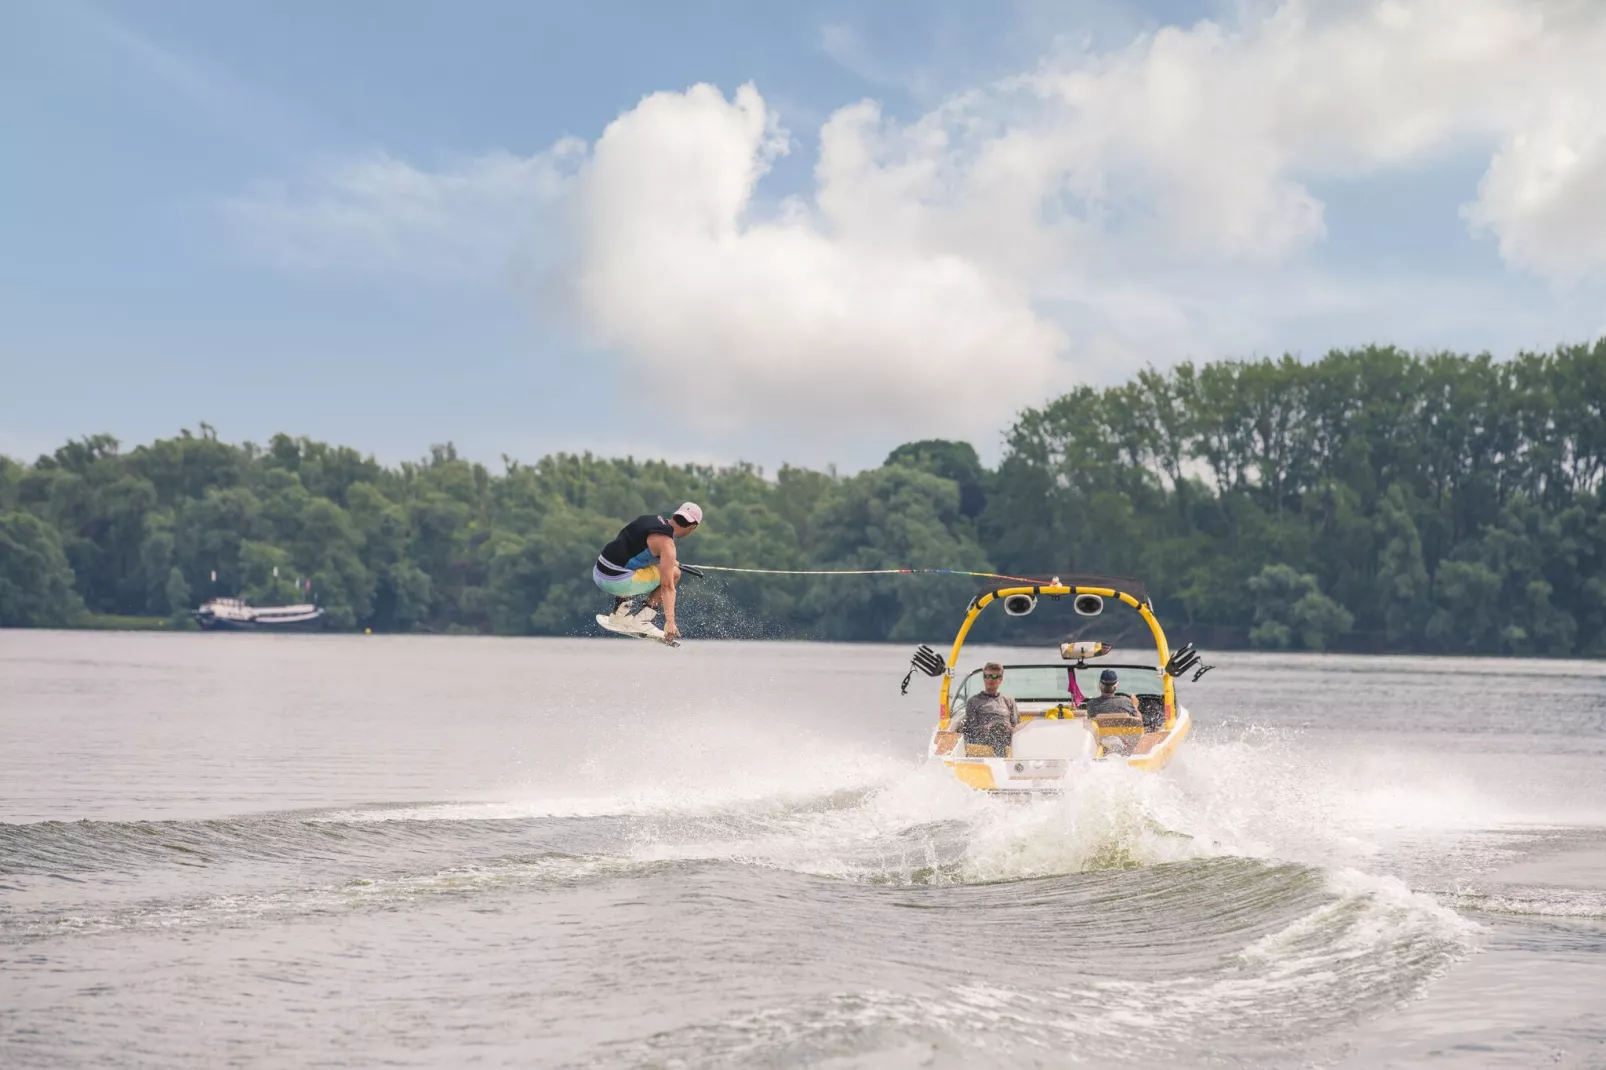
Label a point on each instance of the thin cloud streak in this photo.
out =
(230, 107)
(472, 221)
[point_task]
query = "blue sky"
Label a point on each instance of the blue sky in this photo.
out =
(394, 225)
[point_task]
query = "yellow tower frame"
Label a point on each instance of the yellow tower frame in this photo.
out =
(1057, 590)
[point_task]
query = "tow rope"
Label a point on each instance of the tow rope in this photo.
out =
(859, 572)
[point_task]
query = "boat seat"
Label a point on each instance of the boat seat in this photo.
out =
(1118, 724)
(1149, 741)
(943, 742)
(979, 750)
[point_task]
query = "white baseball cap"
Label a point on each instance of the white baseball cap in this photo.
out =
(690, 511)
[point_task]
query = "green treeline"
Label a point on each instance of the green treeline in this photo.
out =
(1374, 499)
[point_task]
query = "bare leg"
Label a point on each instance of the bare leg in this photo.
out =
(657, 595)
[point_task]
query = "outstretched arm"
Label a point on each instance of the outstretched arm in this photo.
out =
(663, 546)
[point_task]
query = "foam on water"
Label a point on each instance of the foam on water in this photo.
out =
(778, 796)
(706, 763)
(551, 871)
(1581, 903)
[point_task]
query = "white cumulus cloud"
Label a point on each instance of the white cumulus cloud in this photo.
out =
(1220, 129)
(1545, 194)
(774, 318)
(1100, 210)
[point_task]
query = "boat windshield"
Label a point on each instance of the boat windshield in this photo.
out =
(1052, 683)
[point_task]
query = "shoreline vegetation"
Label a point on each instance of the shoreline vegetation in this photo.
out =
(1371, 501)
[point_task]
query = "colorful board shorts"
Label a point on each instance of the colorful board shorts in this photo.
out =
(641, 581)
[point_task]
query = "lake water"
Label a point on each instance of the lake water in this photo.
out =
(356, 851)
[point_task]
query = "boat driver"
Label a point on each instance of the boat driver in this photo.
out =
(641, 560)
(990, 719)
(1107, 701)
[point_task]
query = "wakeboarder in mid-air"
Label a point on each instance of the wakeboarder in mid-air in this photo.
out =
(641, 560)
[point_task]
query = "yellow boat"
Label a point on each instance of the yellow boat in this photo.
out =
(1057, 736)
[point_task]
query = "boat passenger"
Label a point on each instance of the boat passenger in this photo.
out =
(989, 719)
(641, 561)
(1107, 701)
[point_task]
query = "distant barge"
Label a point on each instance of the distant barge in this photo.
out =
(233, 614)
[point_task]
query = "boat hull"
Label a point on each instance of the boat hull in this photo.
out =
(221, 624)
(1052, 768)
(211, 624)
(235, 615)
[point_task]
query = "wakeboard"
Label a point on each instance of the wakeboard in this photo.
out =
(608, 625)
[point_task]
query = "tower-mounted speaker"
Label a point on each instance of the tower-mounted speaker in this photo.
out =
(1018, 605)
(1088, 605)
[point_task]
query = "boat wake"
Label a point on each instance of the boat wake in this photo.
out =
(1117, 917)
(858, 818)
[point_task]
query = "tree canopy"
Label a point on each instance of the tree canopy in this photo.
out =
(1373, 499)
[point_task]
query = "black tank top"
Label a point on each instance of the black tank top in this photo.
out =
(628, 551)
